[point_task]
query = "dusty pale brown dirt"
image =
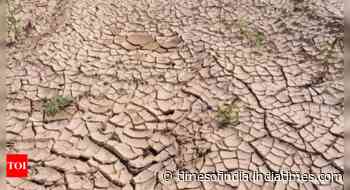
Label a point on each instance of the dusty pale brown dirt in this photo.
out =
(147, 78)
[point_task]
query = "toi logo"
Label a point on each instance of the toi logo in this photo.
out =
(16, 165)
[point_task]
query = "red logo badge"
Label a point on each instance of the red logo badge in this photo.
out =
(16, 165)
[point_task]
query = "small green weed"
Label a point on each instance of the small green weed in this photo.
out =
(254, 36)
(228, 114)
(259, 39)
(242, 25)
(328, 51)
(56, 104)
(14, 25)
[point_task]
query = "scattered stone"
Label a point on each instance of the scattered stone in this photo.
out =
(139, 39)
(151, 46)
(170, 42)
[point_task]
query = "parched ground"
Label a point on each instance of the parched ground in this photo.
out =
(148, 77)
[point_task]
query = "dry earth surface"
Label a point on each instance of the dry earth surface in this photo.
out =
(147, 78)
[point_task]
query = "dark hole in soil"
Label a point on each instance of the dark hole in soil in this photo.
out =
(149, 151)
(169, 112)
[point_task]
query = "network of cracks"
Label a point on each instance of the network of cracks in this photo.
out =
(147, 78)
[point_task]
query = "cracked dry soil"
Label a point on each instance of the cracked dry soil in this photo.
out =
(147, 78)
